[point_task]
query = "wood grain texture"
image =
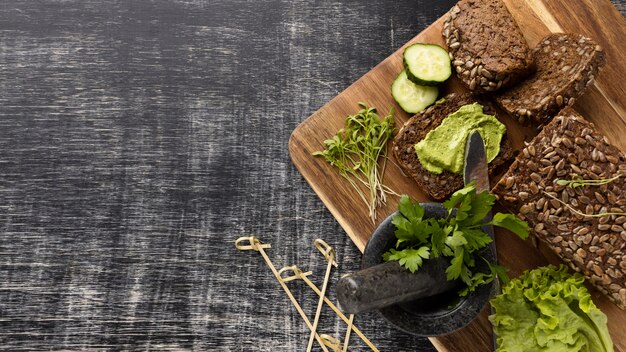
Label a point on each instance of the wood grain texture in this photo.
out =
(139, 139)
(604, 104)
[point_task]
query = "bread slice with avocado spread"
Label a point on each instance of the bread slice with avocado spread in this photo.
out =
(439, 185)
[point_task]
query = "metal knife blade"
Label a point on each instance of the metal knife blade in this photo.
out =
(476, 170)
(476, 163)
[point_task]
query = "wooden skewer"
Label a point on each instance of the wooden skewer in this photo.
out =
(329, 254)
(346, 340)
(331, 342)
(299, 275)
(255, 244)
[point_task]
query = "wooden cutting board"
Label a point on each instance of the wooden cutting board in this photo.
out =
(604, 104)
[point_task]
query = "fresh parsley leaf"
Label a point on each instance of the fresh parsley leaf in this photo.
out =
(437, 238)
(458, 196)
(466, 275)
(411, 210)
(410, 231)
(401, 223)
(499, 271)
(456, 265)
(403, 237)
(409, 224)
(410, 258)
(403, 228)
(476, 239)
(511, 223)
(481, 278)
(447, 251)
(468, 260)
(476, 280)
(481, 206)
(456, 240)
(464, 208)
(422, 232)
(459, 236)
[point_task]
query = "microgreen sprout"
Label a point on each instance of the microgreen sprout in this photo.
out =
(356, 151)
(573, 210)
(578, 181)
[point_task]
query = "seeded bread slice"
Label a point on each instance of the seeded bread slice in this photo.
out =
(486, 46)
(594, 246)
(566, 65)
(415, 129)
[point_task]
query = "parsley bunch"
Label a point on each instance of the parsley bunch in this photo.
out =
(355, 151)
(458, 236)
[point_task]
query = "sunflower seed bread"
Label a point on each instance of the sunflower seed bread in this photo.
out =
(439, 186)
(566, 65)
(486, 46)
(560, 214)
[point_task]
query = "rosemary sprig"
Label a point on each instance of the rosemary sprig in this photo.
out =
(355, 151)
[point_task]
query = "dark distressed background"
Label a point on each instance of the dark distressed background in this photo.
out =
(139, 139)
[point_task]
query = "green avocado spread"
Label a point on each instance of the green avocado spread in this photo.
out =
(443, 148)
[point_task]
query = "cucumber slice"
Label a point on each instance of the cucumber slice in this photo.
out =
(427, 64)
(412, 97)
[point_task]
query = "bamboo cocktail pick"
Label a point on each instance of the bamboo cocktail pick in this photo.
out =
(331, 342)
(254, 244)
(346, 340)
(298, 274)
(329, 255)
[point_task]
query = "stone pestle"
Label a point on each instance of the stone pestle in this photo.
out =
(389, 283)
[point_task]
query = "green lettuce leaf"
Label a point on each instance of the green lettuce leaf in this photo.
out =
(547, 309)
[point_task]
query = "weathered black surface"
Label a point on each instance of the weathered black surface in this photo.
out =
(139, 139)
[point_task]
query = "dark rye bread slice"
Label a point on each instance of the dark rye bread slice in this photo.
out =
(566, 65)
(415, 129)
(594, 246)
(487, 48)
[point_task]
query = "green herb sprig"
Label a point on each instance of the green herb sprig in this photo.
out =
(355, 151)
(578, 181)
(458, 236)
(579, 213)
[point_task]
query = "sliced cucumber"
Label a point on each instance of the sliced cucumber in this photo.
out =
(412, 97)
(427, 64)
